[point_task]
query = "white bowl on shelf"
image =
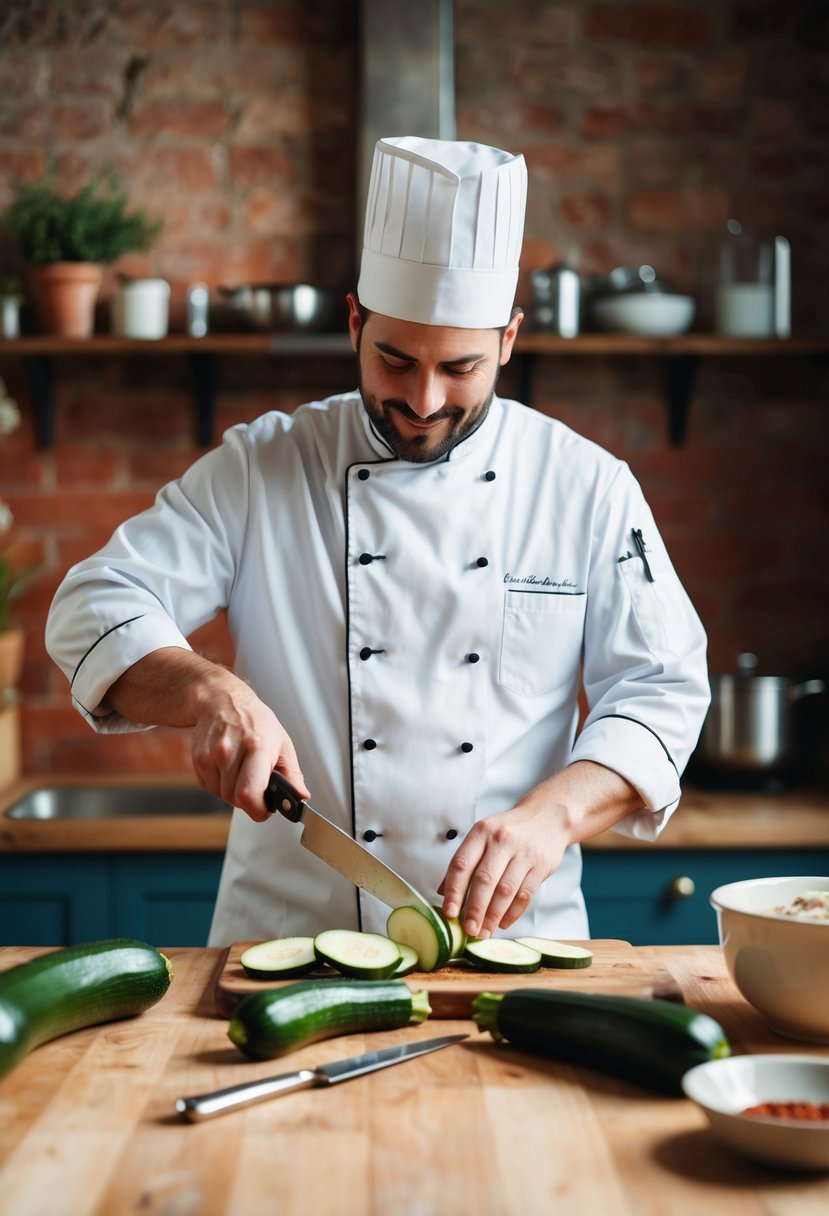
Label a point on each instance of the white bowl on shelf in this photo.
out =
(779, 964)
(648, 313)
(723, 1089)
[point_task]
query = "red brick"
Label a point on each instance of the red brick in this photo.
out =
(665, 72)
(510, 122)
(174, 168)
(184, 23)
(550, 24)
(71, 510)
(674, 25)
(79, 465)
(16, 166)
(27, 121)
(98, 69)
(590, 210)
(193, 119)
(50, 25)
(599, 164)
(756, 19)
(721, 78)
(80, 120)
(669, 210)
(260, 166)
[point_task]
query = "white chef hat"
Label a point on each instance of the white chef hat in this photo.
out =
(443, 232)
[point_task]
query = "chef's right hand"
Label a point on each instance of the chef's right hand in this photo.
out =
(237, 742)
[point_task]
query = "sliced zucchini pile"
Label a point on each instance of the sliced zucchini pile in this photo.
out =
(281, 959)
(364, 956)
(502, 954)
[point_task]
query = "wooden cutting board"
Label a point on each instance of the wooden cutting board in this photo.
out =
(615, 969)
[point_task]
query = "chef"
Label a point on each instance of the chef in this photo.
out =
(419, 579)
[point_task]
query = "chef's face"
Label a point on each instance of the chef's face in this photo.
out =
(426, 387)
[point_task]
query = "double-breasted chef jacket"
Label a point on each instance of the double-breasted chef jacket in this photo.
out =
(420, 630)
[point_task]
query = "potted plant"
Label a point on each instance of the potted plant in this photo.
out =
(65, 242)
(13, 578)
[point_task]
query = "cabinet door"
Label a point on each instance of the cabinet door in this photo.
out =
(53, 900)
(661, 897)
(165, 898)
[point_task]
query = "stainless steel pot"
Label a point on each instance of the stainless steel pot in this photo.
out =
(295, 307)
(749, 726)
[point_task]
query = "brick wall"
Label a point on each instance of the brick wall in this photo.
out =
(644, 125)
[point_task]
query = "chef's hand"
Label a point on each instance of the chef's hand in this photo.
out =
(504, 859)
(237, 740)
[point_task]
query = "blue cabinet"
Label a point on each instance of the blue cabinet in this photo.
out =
(60, 899)
(661, 896)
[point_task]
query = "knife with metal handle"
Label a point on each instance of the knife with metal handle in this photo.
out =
(205, 1106)
(339, 850)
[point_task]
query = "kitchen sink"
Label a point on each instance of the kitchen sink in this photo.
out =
(107, 802)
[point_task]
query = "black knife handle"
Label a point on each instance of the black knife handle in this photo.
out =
(281, 796)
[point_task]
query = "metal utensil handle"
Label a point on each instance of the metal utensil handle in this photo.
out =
(281, 796)
(218, 1101)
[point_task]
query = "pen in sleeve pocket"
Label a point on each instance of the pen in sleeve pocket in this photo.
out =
(640, 547)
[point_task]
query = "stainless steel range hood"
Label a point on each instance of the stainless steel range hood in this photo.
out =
(407, 77)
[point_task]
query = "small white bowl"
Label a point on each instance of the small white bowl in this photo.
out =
(649, 313)
(779, 964)
(725, 1088)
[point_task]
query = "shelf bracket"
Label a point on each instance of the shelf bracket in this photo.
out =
(39, 371)
(203, 365)
(682, 371)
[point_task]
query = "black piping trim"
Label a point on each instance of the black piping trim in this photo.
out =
(627, 718)
(355, 464)
(100, 639)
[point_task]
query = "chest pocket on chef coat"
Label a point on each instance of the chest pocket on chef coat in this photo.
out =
(657, 611)
(541, 643)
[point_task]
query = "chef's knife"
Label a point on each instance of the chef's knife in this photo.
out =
(205, 1106)
(340, 850)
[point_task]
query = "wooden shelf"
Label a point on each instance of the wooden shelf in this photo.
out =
(680, 356)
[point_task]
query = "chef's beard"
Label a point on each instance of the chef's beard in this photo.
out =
(423, 449)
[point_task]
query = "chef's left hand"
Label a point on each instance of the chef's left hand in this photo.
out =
(500, 866)
(506, 857)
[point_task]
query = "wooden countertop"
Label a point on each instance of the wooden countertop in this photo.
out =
(705, 819)
(87, 1124)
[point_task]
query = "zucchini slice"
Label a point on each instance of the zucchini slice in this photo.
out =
(652, 1043)
(502, 954)
(366, 956)
(426, 933)
(281, 959)
(409, 961)
(68, 989)
(558, 954)
(274, 1021)
(457, 937)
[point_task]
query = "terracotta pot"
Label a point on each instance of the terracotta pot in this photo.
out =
(65, 293)
(11, 658)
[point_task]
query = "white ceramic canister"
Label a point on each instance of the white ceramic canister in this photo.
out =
(141, 308)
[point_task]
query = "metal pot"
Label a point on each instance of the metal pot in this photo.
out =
(295, 307)
(749, 727)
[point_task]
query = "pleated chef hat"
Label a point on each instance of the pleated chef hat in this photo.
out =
(443, 232)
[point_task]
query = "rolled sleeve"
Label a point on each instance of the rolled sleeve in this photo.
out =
(636, 753)
(110, 656)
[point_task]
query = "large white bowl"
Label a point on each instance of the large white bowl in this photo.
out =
(725, 1088)
(780, 965)
(650, 313)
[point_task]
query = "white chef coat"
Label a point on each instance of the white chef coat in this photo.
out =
(421, 631)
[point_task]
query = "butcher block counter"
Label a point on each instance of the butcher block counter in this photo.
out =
(87, 1123)
(715, 819)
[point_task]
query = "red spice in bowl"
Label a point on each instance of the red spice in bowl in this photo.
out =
(811, 1112)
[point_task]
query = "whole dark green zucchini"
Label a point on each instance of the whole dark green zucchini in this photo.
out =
(277, 1020)
(67, 989)
(652, 1043)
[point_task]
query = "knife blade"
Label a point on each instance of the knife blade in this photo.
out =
(205, 1106)
(340, 851)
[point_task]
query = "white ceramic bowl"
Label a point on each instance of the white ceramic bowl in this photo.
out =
(780, 965)
(724, 1088)
(652, 314)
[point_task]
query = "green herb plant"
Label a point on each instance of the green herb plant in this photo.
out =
(93, 225)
